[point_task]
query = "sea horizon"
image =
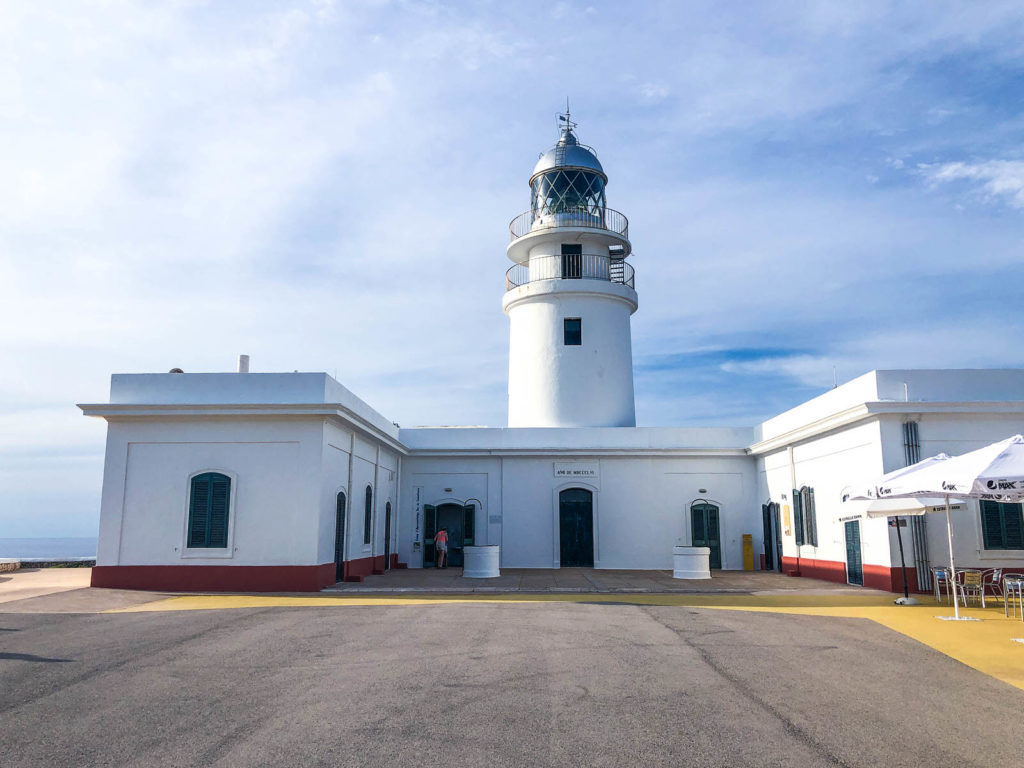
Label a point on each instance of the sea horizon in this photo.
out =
(49, 548)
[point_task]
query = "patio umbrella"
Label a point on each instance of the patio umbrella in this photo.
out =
(888, 497)
(994, 472)
(877, 489)
(897, 508)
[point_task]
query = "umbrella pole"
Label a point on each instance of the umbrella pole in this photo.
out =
(903, 562)
(952, 568)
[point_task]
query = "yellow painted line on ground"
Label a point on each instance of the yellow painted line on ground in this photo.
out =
(984, 645)
(220, 602)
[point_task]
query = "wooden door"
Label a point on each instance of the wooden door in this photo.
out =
(705, 532)
(854, 565)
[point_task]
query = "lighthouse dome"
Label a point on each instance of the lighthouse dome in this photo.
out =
(568, 153)
(567, 184)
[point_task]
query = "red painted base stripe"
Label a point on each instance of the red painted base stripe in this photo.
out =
(875, 576)
(215, 578)
(357, 570)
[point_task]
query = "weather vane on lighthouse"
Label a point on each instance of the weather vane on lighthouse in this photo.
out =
(565, 121)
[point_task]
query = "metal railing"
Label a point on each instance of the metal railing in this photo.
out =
(602, 218)
(571, 266)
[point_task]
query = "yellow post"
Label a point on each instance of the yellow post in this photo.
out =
(748, 552)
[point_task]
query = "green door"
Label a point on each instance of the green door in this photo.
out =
(576, 528)
(704, 529)
(854, 566)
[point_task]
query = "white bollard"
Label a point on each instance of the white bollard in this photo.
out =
(691, 562)
(480, 562)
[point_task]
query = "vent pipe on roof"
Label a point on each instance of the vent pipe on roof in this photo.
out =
(243, 363)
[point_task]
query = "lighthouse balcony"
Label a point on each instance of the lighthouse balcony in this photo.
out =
(534, 221)
(575, 266)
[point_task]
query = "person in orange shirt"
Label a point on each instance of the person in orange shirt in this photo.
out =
(441, 547)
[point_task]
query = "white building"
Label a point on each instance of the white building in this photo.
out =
(267, 481)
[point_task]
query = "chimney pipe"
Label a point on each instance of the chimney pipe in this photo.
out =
(243, 363)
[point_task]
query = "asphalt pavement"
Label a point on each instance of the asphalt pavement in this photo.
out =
(517, 684)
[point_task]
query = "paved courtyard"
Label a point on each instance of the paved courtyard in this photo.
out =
(586, 679)
(581, 580)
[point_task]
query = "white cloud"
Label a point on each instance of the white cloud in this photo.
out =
(997, 179)
(654, 92)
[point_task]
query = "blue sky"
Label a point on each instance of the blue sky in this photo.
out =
(326, 186)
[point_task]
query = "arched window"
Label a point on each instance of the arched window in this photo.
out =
(368, 516)
(209, 498)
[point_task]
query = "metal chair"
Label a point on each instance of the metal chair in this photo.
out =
(1012, 583)
(940, 580)
(971, 584)
(992, 582)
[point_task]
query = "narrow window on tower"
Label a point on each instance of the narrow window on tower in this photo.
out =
(573, 330)
(572, 261)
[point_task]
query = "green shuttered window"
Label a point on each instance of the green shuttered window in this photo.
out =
(1002, 525)
(810, 516)
(805, 517)
(798, 517)
(209, 500)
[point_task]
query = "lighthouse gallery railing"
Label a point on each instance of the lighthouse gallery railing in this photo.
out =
(577, 266)
(601, 218)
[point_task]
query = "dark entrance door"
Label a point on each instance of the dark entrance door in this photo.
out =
(768, 537)
(459, 520)
(576, 528)
(339, 540)
(704, 527)
(854, 565)
(772, 536)
(387, 535)
(453, 517)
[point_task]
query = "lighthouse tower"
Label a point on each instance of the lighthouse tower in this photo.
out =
(569, 296)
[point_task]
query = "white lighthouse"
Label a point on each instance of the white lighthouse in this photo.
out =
(569, 296)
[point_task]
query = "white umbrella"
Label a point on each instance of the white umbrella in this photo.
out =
(888, 496)
(904, 507)
(993, 472)
(897, 508)
(876, 489)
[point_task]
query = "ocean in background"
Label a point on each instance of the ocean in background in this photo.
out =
(83, 547)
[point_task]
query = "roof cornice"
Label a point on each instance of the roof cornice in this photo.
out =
(601, 452)
(129, 411)
(866, 411)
